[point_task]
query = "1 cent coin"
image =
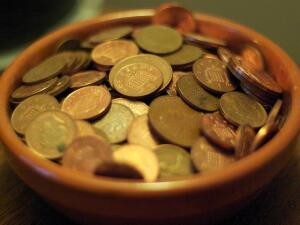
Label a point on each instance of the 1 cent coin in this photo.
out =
(253, 58)
(244, 139)
(90, 77)
(203, 41)
(61, 85)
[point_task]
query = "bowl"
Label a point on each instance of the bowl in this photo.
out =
(204, 198)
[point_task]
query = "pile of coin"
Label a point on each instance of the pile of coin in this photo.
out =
(150, 103)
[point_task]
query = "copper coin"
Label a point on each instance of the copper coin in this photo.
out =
(175, 16)
(141, 158)
(210, 56)
(115, 123)
(137, 107)
(207, 157)
(244, 139)
(174, 121)
(260, 81)
(86, 153)
(216, 128)
(90, 77)
(225, 54)
(87, 102)
(195, 96)
(84, 128)
(111, 52)
(212, 75)
(172, 88)
(138, 80)
(253, 58)
(61, 85)
(139, 133)
(25, 91)
(203, 41)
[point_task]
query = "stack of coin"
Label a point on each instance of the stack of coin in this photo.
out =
(151, 103)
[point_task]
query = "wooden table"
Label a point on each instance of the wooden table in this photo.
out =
(278, 205)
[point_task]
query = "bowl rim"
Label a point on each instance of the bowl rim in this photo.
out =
(196, 183)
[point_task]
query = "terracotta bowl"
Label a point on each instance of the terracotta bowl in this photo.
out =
(202, 198)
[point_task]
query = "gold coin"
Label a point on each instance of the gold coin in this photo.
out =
(86, 153)
(84, 128)
(87, 102)
(171, 89)
(137, 107)
(111, 52)
(115, 123)
(139, 133)
(139, 157)
(90, 77)
(27, 110)
(49, 133)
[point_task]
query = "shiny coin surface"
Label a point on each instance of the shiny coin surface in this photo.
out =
(139, 157)
(137, 107)
(68, 44)
(138, 80)
(61, 85)
(224, 54)
(27, 110)
(85, 153)
(253, 58)
(244, 139)
(154, 60)
(139, 133)
(210, 56)
(274, 113)
(84, 128)
(118, 170)
(174, 161)
(111, 52)
(90, 77)
(240, 109)
(185, 55)
(195, 96)
(207, 158)
(203, 41)
(263, 135)
(158, 39)
(87, 102)
(175, 16)
(174, 121)
(110, 34)
(47, 69)
(25, 91)
(49, 133)
(212, 75)
(115, 123)
(172, 88)
(218, 130)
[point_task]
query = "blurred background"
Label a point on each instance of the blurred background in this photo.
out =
(277, 19)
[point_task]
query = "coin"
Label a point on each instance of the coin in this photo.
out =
(119, 170)
(185, 55)
(259, 81)
(244, 138)
(110, 34)
(224, 54)
(68, 44)
(27, 110)
(25, 91)
(195, 96)
(47, 69)
(115, 123)
(253, 58)
(61, 85)
(203, 41)
(218, 130)
(49, 133)
(154, 60)
(139, 157)
(175, 16)
(138, 80)
(111, 52)
(174, 161)
(212, 75)
(84, 128)
(158, 39)
(85, 78)
(137, 107)
(139, 133)
(207, 158)
(274, 113)
(174, 121)
(86, 153)
(240, 109)
(210, 56)
(263, 135)
(87, 102)
(172, 88)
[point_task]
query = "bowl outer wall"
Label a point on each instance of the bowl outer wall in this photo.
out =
(107, 196)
